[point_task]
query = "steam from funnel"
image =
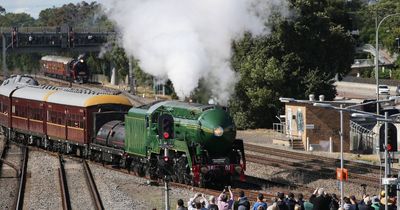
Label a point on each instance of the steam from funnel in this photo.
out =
(186, 40)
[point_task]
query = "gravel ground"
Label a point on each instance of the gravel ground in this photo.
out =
(122, 191)
(264, 137)
(42, 186)
(79, 192)
(9, 177)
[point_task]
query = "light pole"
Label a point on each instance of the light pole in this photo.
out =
(377, 55)
(385, 146)
(348, 109)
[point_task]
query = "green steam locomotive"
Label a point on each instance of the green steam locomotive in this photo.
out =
(189, 143)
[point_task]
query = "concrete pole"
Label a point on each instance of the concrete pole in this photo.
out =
(131, 77)
(5, 72)
(341, 154)
(386, 160)
(377, 60)
(330, 144)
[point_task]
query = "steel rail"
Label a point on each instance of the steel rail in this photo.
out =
(66, 202)
(92, 185)
(22, 181)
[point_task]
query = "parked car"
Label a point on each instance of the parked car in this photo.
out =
(398, 90)
(383, 90)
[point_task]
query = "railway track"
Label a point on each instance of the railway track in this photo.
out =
(311, 164)
(74, 196)
(18, 162)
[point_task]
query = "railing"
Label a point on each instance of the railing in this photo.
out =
(279, 127)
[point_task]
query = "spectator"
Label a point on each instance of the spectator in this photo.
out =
(242, 203)
(198, 199)
(320, 202)
(260, 202)
(307, 204)
(180, 205)
(212, 205)
(375, 202)
(354, 204)
(223, 202)
(391, 205)
(273, 206)
(261, 208)
(281, 202)
(346, 203)
(290, 201)
(300, 200)
(366, 204)
(334, 204)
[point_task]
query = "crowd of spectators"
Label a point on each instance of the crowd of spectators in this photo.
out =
(319, 200)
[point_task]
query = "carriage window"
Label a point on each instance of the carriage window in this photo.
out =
(75, 120)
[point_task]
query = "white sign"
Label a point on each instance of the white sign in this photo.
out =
(309, 126)
(389, 181)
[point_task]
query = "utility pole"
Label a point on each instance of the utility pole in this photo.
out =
(386, 160)
(4, 55)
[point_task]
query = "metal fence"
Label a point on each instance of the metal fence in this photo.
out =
(361, 139)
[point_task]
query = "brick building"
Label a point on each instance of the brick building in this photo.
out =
(321, 126)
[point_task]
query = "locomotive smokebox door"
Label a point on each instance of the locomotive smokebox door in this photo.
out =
(166, 130)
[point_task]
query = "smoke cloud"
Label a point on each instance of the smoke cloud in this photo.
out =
(186, 40)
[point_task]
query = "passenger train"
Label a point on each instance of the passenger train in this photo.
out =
(103, 126)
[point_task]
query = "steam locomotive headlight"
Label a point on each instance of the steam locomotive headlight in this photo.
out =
(204, 169)
(218, 131)
(81, 60)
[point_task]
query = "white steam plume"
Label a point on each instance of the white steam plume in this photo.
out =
(186, 40)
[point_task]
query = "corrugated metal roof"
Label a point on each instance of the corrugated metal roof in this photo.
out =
(85, 99)
(33, 93)
(55, 58)
(5, 90)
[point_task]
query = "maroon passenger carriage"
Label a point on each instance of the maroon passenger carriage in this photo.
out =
(59, 119)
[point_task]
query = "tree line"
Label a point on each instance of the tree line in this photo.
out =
(302, 55)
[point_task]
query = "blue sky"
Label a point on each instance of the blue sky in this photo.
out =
(33, 7)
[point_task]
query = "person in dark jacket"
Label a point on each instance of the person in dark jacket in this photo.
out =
(321, 201)
(281, 202)
(334, 204)
(180, 205)
(243, 203)
(290, 201)
(300, 200)
(366, 204)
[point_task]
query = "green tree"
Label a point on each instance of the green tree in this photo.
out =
(300, 57)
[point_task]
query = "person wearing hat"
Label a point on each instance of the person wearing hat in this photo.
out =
(390, 204)
(260, 202)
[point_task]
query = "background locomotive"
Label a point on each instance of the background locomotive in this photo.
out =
(97, 125)
(65, 68)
